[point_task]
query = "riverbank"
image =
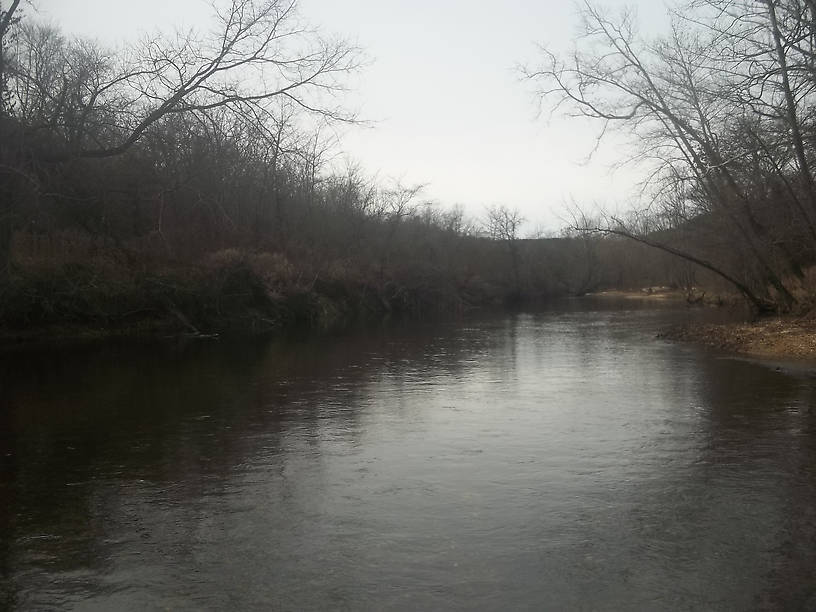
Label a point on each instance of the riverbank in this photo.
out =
(230, 293)
(646, 293)
(779, 338)
(772, 338)
(664, 294)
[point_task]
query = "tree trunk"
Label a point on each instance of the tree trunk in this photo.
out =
(761, 306)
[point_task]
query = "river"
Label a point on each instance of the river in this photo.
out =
(564, 459)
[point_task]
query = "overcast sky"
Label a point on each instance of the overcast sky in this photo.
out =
(448, 105)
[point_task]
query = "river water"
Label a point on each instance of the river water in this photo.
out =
(563, 460)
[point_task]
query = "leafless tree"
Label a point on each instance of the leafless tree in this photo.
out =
(717, 117)
(257, 56)
(258, 80)
(7, 20)
(504, 224)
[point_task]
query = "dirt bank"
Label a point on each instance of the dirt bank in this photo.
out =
(647, 293)
(783, 338)
(776, 338)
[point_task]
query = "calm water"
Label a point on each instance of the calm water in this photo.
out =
(560, 460)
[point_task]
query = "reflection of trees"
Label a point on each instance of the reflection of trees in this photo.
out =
(86, 430)
(157, 440)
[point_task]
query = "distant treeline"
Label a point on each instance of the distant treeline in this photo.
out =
(181, 184)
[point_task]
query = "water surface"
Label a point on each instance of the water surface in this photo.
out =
(558, 460)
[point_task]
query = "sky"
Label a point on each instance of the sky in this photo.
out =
(446, 105)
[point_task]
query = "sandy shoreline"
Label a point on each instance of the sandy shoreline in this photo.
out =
(779, 338)
(785, 338)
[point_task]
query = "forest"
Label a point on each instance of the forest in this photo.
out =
(183, 183)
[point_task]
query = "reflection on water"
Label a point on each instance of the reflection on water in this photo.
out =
(560, 460)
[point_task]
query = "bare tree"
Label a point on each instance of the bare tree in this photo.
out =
(7, 20)
(393, 206)
(257, 56)
(258, 79)
(504, 224)
(689, 101)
